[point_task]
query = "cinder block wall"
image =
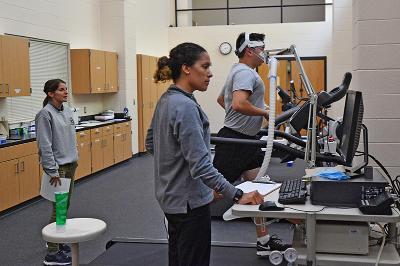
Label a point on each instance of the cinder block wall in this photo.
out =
(376, 69)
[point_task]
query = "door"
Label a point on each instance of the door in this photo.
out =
(146, 90)
(263, 71)
(85, 160)
(29, 186)
(15, 54)
(108, 150)
(118, 147)
(97, 71)
(97, 154)
(315, 70)
(111, 72)
(9, 184)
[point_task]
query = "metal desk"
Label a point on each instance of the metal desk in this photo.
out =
(311, 214)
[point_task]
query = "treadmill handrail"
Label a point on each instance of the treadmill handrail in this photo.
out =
(262, 143)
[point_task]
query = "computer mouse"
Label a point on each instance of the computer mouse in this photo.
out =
(269, 206)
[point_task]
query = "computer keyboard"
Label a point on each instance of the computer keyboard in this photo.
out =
(293, 192)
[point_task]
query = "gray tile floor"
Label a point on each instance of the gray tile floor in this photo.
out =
(122, 196)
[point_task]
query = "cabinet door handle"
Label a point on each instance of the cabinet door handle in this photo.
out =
(17, 168)
(8, 88)
(1, 88)
(22, 166)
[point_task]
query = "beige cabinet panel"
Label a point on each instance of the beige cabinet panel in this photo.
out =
(127, 144)
(9, 184)
(97, 154)
(15, 66)
(29, 186)
(118, 147)
(111, 71)
(108, 150)
(2, 78)
(94, 71)
(85, 160)
(97, 71)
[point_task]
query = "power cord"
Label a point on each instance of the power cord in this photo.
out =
(394, 184)
(382, 245)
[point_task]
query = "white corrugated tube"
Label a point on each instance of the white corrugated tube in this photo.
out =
(273, 66)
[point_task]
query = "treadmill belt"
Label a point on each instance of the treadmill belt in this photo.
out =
(149, 254)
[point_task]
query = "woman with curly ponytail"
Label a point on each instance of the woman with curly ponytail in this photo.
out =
(179, 140)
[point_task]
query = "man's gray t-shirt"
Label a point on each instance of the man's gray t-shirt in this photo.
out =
(242, 77)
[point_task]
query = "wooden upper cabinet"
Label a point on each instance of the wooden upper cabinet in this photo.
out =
(2, 79)
(97, 71)
(111, 72)
(14, 66)
(93, 71)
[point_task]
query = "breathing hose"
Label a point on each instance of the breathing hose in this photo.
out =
(273, 66)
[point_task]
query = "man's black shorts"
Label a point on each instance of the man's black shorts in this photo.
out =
(232, 160)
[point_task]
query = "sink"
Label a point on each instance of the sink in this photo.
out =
(90, 123)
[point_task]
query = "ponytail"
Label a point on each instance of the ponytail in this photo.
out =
(163, 72)
(46, 101)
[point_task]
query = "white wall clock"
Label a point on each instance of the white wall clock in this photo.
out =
(225, 48)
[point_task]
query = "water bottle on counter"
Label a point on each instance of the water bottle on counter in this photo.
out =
(126, 112)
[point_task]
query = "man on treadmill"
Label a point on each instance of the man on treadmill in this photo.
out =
(242, 97)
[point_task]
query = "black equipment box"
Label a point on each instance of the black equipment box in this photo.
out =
(344, 193)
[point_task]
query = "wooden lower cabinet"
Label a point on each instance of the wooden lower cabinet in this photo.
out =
(122, 146)
(9, 184)
(108, 151)
(20, 171)
(128, 145)
(29, 181)
(118, 147)
(84, 161)
(19, 180)
(97, 154)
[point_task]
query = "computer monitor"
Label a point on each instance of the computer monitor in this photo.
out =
(351, 127)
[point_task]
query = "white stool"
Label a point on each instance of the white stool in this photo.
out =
(75, 230)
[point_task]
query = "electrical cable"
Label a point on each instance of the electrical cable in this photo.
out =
(395, 184)
(383, 244)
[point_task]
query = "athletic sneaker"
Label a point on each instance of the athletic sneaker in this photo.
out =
(58, 258)
(274, 243)
(64, 247)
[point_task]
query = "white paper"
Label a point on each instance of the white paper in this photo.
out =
(47, 190)
(248, 186)
(263, 189)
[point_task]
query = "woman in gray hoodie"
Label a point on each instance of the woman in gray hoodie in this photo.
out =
(56, 139)
(179, 139)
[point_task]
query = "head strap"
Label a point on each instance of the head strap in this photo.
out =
(248, 43)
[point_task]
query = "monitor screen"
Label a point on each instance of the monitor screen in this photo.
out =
(351, 126)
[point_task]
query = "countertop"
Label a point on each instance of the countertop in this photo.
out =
(80, 127)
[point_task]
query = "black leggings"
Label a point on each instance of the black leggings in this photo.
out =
(189, 242)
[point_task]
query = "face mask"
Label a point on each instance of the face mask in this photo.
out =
(263, 56)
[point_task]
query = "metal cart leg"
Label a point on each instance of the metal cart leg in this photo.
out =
(310, 231)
